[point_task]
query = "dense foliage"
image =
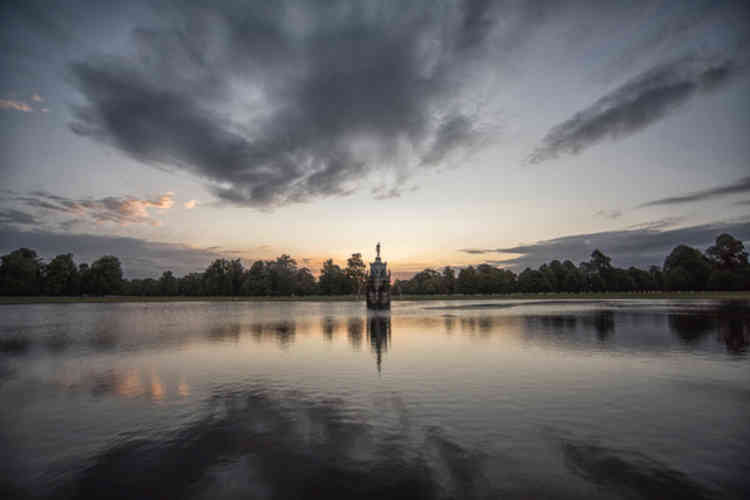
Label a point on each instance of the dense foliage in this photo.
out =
(724, 266)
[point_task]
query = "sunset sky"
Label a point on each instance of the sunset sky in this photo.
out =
(172, 133)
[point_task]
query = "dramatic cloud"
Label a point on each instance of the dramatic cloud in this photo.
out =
(119, 210)
(639, 247)
(284, 103)
(453, 133)
(140, 258)
(635, 105)
(741, 186)
(17, 105)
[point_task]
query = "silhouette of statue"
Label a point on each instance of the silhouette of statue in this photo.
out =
(379, 331)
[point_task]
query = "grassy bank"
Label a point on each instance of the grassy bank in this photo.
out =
(745, 295)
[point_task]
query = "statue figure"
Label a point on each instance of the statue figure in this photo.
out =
(378, 285)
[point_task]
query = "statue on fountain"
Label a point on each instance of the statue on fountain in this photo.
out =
(378, 288)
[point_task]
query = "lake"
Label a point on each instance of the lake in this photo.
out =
(438, 399)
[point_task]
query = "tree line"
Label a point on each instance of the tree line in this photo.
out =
(723, 266)
(23, 273)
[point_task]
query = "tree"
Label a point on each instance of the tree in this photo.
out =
(427, 282)
(531, 281)
(467, 281)
(657, 276)
(218, 278)
(356, 271)
(168, 285)
(191, 285)
(449, 280)
(686, 268)
(332, 279)
(21, 273)
(305, 282)
(283, 271)
(257, 280)
(724, 279)
(106, 276)
(600, 262)
(728, 253)
(84, 273)
(61, 276)
(642, 280)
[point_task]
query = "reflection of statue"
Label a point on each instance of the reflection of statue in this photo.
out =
(379, 332)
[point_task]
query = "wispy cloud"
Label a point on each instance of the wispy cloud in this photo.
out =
(659, 223)
(739, 187)
(37, 98)
(609, 214)
(191, 204)
(17, 105)
(635, 105)
(118, 210)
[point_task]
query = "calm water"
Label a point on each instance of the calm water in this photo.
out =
(486, 399)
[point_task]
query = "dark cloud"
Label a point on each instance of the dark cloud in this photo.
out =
(637, 104)
(285, 103)
(140, 258)
(119, 210)
(741, 186)
(453, 133)
(12, 216)
(639, 247)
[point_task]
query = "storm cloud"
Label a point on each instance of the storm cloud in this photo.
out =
(631, 247)
(739, 187)
(640, 102)
(289, 102)
(140, 258)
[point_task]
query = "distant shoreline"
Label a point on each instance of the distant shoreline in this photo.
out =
(740, 295)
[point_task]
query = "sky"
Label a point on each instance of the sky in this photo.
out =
(172, 133)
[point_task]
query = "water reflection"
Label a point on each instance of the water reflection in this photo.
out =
(692, 325)
(253, 445)
(280, 401)
(379, 332)
(629, 474)
(729, 323)
(125, 383)
(355, 327)
(329, 325)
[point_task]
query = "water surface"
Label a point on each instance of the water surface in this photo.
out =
(454, 399)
